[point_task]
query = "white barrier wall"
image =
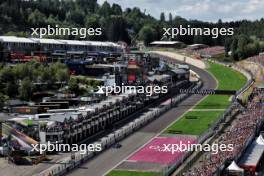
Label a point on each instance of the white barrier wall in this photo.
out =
(182, 58)
(107, 141)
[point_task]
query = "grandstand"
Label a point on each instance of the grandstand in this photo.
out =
(170, 44)
(194, 47)
(211, 51)
(204, 51)
(252, 158)
(257, 59)
(239, 134)
(25, 49)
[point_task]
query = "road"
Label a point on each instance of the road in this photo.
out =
(110, 158)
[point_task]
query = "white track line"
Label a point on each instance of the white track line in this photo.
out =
(152, 137)
(163, 129)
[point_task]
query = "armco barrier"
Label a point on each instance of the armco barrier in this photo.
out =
(247, 73)
(211, 131)
(77, 158)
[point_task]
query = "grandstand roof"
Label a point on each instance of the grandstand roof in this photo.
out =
(14, 39)
(165, 42)
(197, 44)
(252, 155)
(47, 41)
(73, 42)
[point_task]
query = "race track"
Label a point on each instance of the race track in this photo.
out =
(110, 158)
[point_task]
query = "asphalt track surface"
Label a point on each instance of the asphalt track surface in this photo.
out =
(111, 157)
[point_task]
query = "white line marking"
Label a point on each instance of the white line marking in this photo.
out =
(107, 172)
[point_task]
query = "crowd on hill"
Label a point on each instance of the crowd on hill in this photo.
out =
(237, 134)
(257, 59)
(206, 52)
(211, 51)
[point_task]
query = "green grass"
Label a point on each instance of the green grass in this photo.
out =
(199, 122)
(214, 102)
(132, 173)
(228, 79)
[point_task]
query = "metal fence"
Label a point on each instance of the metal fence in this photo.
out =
(229, 112)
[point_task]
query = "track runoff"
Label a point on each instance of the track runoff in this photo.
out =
(112, 157)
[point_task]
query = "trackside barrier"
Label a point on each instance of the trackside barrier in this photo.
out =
(77, 158)
(229, 112)
(247, 73)
(172, 167)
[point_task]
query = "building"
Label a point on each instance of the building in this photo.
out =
(22, 49)
(170, 44)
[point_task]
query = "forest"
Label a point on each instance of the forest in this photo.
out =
(131, 25)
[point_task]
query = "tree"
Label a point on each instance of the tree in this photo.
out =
(234, 54)
(7, 75)
(73, 86)
(52, 20)
(88, 6)
(170, 18)
(147, 34)
(241, 45)
(93, 21)
(62, 75)
(11, 89)
(105, 9)
(116, 9)
(117, 29)
(199, 39)
(75, 16)
(162, 17)
(1, 52)
(228, 42)
(45, 76)
(3, 99)
(26, 89)
(36, 18)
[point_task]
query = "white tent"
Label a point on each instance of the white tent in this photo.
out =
(260, 140)
(234, 167)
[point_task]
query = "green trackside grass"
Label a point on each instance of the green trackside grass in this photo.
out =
(228, 79)
(132, 173)
(214, 102)
(194, 122)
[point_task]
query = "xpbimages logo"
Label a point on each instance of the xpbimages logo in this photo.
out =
(183, 147)
(57, 147)
(65, 31)
(188, 30)
(148, 90)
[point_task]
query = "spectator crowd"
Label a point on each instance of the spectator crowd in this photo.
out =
(237, 134)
